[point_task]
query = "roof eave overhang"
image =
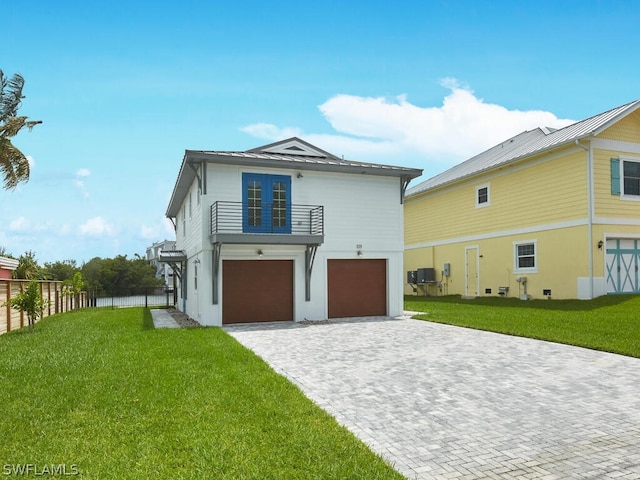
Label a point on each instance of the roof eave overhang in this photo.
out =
(187, 174)
(183, 182)
(632, 108)
(388, 171)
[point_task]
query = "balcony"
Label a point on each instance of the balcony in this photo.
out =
(267, 223)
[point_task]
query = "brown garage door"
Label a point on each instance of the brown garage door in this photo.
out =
(257, 290)
(357, 288)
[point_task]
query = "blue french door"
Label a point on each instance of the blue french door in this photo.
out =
(266, 203)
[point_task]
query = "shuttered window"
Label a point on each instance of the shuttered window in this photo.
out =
(625, 177)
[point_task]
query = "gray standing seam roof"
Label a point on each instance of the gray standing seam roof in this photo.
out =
(316, 159)
(294, 160)
(525, 144)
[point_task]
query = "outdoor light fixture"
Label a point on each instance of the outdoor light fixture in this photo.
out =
(600, 245)
(196, 261)
(359, 253)
(260, 253)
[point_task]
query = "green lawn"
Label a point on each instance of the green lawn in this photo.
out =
(100, 391)
(610, 323)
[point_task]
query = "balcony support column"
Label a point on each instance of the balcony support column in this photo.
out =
(309, 257)
(215, 269)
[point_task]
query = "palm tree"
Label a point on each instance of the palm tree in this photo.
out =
(14, 166)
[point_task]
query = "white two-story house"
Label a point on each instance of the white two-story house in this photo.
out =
(287, 232)
(164, 272)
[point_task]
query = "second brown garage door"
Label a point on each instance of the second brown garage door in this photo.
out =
(357, 288)
(257, 291)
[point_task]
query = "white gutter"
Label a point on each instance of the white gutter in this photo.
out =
(590, 209)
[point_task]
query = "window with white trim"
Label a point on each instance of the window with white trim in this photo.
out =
(482, 196)
(525, 256)
(184, 220)
(630, 177)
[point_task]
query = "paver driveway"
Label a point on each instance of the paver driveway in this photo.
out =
(442, 402)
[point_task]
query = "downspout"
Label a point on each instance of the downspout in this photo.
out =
(590, 208)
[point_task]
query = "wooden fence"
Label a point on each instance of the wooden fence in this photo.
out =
(51, 291)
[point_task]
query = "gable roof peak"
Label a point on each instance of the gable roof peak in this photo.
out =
(293, 146)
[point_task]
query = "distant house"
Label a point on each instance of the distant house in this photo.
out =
(545, 214)
(286, 231)
(163, 270)
(7, 266)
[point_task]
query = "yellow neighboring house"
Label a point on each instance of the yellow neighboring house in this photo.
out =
(546, 214)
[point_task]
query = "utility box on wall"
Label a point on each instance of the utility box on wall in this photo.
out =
(426, 275)
(446, 270)
(412, 277)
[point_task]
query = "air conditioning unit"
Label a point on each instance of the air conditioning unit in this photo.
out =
(426, 275)
(412, 277)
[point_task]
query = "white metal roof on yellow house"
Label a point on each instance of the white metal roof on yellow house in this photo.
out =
(525, 144)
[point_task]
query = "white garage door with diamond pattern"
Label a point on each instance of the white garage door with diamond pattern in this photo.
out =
(622, 262)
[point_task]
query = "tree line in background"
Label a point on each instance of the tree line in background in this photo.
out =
(117, 276)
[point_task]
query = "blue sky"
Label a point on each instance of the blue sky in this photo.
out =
(123, 88)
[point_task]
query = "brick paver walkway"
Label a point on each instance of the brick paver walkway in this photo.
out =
(441, 402)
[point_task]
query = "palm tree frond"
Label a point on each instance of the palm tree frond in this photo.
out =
(11, 96)
(14, 166)
(12, 126)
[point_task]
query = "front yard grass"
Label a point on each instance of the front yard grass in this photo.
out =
(100, 391)
(610, 323)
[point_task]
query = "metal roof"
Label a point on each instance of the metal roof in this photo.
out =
(172, 256)
(526, 144)
(306, 157)
(9, 263)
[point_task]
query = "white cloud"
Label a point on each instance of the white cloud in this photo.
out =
(20, 224)
(63, 229)
(148, 232)
(96, 227)
(270, 132)
(32, 162)
(79, 183)
(160, 231)
(463, 126)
